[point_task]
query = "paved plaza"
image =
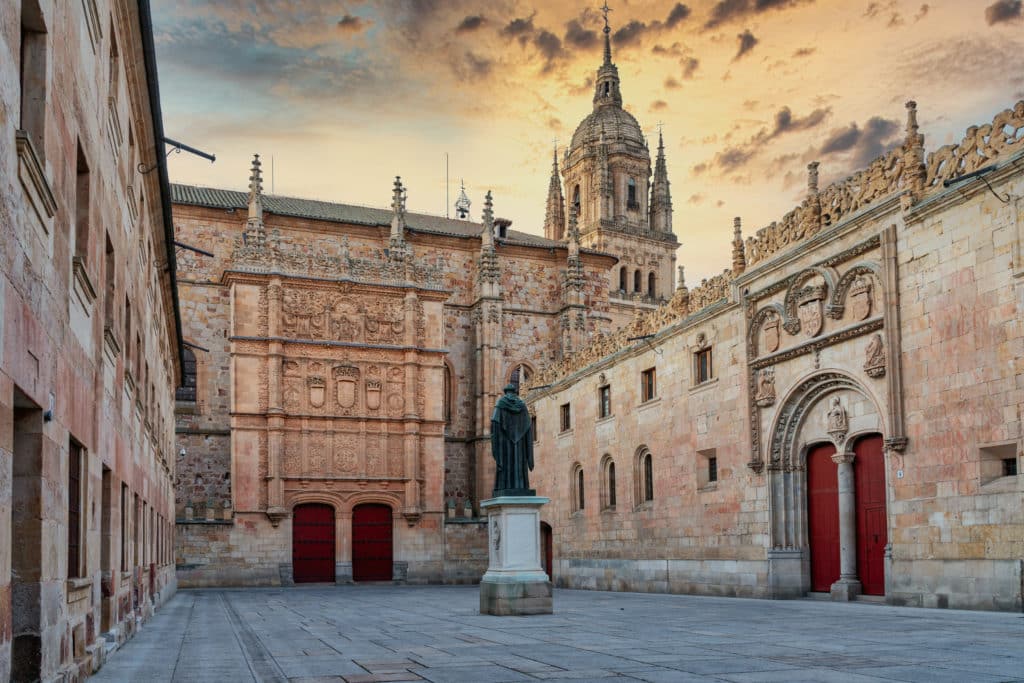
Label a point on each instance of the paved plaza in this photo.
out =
(378, 633)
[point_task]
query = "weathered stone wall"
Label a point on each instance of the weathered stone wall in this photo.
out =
(87, 340)
(465, 550)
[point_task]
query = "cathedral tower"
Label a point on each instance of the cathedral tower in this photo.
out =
(607, 176)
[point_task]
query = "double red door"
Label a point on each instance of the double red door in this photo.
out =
(823, 517)
(872, 530)
(371, 543)
(313, 543)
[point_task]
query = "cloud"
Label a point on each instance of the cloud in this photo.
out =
(673, 50)
(550, 46)
(672, 84)
(922, 12)
(677, 14)
(747, 42)
(695, 199)
(472, 66)
(690, 65)
(1003, 11)
(862, 144)
(520, 27)
(732, 10)
(786, 123)
(630, 33)
(470, 23)
(659, 105)
(351, 24)
(578, 36)
(805, 52)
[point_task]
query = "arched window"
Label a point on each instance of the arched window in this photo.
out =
(576, 200)
(631, 202)
(650, 284)
(607, 483)
(643, 476)
(520, 373)
(638, 281)
(576, 483)
(187, 390)
(623, 277)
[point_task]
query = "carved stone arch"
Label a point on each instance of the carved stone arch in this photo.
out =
(837, 300)
(296, 498)
(516, 370)
(791, 321)
(758, 321)
(392, 500)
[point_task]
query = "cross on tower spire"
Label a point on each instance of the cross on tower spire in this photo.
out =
(607, 32)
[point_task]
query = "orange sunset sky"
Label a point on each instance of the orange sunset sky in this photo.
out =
(346, 95)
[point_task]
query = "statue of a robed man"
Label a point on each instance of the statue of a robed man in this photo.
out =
(512, 445)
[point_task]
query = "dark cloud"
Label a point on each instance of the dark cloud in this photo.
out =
(351, 24)
(786, 123)
(922, 12)
(470, 24)
(1003, 11)
(747, 42)
(549, 45)
(630, 33)
(863, 144)
(732, 10)
(672, 84)
(554, 123)
(520, 28)
(659, 105)
(805, 52)
(674, 50)
(733, 158)
(690, 65)
(472, 66)
(695, 199)
(578, 36)
(677, 14)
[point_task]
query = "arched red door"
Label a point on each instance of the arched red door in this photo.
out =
(313, 543)
(371, 543)
(823, 517)
(872, 526)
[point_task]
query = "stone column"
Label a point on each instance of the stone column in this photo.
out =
(848, 585)
(275, 404)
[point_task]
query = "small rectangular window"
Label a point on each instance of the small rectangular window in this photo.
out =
(648, 386)
(75, 516)
(1009, 467)
(604, 395)
(33, 75)
(712, 470)
(702, 366)
(566, 417)
(83, 206)
(125, 511)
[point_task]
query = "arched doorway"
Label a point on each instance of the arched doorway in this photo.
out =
(823, 517)
(872, 524)
(313, 543)
(371, 542)
(545, 549)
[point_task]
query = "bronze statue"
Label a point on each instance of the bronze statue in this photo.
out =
(512, 445)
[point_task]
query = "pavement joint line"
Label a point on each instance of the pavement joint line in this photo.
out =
(252, 648)
(184, 632)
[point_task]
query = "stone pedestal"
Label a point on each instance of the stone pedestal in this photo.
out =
(515, 582)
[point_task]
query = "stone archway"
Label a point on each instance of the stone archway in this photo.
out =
(829, 407)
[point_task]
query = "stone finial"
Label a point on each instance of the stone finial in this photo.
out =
(913, 154)
(739, 255)
(681, 278)
(607, 34)
(398, 211)
(812, 178)
(255, 233)
(487, 238)
(574, 234)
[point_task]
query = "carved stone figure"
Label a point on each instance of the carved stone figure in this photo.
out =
(765, 395)
(874, 363)
(512, 445)
(838, 422)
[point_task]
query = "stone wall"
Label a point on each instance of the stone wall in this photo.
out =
(465, 550)
(88, 340)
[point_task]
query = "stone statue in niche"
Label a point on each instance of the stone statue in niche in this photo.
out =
(765, 395)
(512, 445)
(838, 422)
(770, 330)
(874, 363)
(860, 298)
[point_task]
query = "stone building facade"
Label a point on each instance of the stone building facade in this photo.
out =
(838, 413)
(89, 337)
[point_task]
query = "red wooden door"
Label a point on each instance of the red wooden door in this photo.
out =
(823, 517)
(872, 525)
(371, 543)
(313, 543)
(545, 548)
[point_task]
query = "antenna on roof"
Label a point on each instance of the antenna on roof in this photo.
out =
(272, 174)
(446, 197)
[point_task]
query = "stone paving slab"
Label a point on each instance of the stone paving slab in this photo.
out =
(385, 634)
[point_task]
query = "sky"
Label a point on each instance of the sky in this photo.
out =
(340, 97)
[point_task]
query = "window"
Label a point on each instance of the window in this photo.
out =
(447, 395)
(998, 461)
(577, 497)
(33, 75)
(82, 206)
(712, 470)
(648, 384)
(651, 281)
(108, 301)
(607, 483)
(125, 511)
(648, 477)
(707, 468)
(566, 417)
(637, 281)
(1009, 467)
(520, 373)
(623, 277)
(187, 390)
(604, 401)
(533, 427)
(702, 370)
(76, 499)
(576, 200)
